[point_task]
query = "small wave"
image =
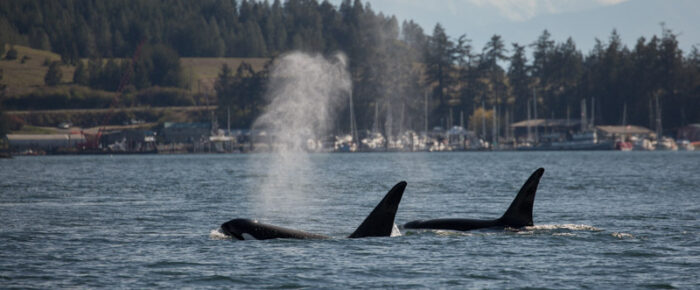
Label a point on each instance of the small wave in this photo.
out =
(564, 234)
(218, 235)
(571, 227)
(395, 232)
(622, 235)
(452, 233)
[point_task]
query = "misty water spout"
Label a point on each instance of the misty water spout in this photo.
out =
(305, 93)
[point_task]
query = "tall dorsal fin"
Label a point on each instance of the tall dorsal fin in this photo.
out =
(519, 214)
(380, 221)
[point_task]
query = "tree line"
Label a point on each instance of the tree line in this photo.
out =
(398, 69)
(558, 77)
(154, 65)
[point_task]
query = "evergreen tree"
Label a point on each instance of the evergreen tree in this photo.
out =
(94, 68)
(491, 72)
(39, 39)
(141, 75)
(80, 76)
(494, 52)
(11, 54)
(166, 70)
(542, 48)
(4, 127)
(566, 70)
(518, 74)
(412, 34)
(254, 44)
(4, 122)
(54, 74)
(383, 63)
(467, 76)
(439, 62)
(223, 87)
(2, 86)
(111, 76)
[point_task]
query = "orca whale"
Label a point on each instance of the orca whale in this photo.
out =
(378, 223)
(518, 215)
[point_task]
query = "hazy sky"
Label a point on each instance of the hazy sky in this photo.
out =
(482, 12)
(522, 21)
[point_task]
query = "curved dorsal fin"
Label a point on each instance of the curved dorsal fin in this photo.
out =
(380, 221)
(519, 214)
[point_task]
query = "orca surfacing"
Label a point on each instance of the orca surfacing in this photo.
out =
(378, 223)
(518, 215)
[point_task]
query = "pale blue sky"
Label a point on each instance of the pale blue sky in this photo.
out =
(522, 21)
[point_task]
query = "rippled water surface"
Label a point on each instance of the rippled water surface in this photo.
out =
(602, 219)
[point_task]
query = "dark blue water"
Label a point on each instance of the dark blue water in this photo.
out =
(603, 219)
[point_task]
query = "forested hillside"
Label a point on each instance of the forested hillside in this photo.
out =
(394, 66)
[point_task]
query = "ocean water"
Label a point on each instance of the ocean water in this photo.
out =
(602, 220)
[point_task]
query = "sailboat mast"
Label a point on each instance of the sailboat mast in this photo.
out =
(353, 124)
(592, 113)
(425, 103)
(483, 120)
(403, 109)
(376, 117)
(506, 116)
(451, 122)
(659, 130)
(529, 128)
(624, 122)
(534, 106)
(584, 122)
(494, 130)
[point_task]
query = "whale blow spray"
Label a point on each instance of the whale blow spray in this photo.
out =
(304, 93)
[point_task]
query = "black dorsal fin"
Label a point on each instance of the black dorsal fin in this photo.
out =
(519, 214)
(380, 221)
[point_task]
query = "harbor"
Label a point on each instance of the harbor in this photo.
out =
(169, 138)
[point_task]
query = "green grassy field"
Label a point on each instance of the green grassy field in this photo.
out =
(202, 72)
(22, 78)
